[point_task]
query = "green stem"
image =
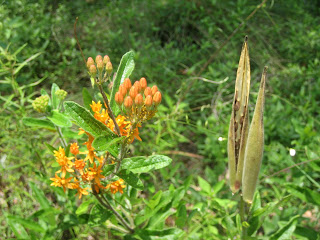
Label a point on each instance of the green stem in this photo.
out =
(105, 203)
(106, 101)
(63, 141)
(243, 213)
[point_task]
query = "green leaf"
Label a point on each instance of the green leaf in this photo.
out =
(308, 233)
(87, 99)
(17, 229)
(59, 119)
(167, 234)
(86, 121)
(51, 148)
(131, 178)
(304, 193)
(204, 185)
(98, 215)
(40, 123)
(154, 201)
(158, 220)
(181, 216)
(125, 69)
(84, 206)
(145, 214)
(218, 186)
(39, 196)
(54, 99)
(177, 196)
(25, 62)
(107, 143)
(143, 164)
(26, 223)
(287, 230)
(43, 92)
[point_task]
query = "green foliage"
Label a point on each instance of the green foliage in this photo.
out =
(85, 120)
(172, 40)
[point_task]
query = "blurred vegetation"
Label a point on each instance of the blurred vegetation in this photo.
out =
(173, 42)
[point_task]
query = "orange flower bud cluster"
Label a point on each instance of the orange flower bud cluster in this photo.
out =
(138, 100)
(100, 66)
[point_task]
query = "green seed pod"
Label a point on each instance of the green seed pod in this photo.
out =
(254, 148)
(238, 128)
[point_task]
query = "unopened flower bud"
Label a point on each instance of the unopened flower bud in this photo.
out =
(40, 104)
(133, 92)
(109, 67)
(143, 83)
(154, 89)
(127, 83)
(137, 85)
(98, 58)
(93, 70)
(148, 101)
(128, 102)
(138, 100)
(61, 94)
(90, 62)
(157, 98)
(106, 59)
(147, 91)
(122, 90)
(100, 65)
(118, 98)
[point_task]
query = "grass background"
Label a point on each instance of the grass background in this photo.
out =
(190, 49)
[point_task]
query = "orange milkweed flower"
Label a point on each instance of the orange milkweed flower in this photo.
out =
(102, 117)
(96, 107)
(61, 182)
(82, 191)
(79, 165)
(116, 186)
(65, 162)
(96, 173)
(74, 148)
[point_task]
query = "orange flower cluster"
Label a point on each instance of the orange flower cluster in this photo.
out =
(86, 171)
(138, 101)
(125, 126)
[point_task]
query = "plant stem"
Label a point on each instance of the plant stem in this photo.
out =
(106, 101)
(105, 203)
(242, 212)
(120, 157)
(63, 141)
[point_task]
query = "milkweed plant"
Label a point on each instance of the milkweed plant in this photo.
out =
(96, 162)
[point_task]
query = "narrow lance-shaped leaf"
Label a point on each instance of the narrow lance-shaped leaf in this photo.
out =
(254, 148)
(85, 120)
(238, 129)
(124, 70)
(54, 99)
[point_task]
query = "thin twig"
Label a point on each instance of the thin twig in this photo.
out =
(75, 35)
(106, 101)
(285, 169)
